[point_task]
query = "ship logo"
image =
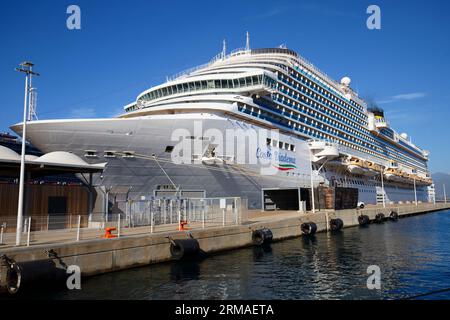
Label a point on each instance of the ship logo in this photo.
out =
(286, 167)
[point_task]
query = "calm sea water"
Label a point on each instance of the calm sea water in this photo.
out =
(413, 254)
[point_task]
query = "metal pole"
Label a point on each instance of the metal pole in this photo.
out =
(382, 189)
(235, 211)
(415, 192)
(1, 234)
(223, 217)
(151, 222)
(118, 226)
(78, 227)
(445, 195)
(107, 205)
(434, 195)
(28, 231)
(90, 197)
(312, 184)
(22, 169)
(164, 209)
(203, 217)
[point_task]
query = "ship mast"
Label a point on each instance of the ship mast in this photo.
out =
(247, 42)
(224, 49)
(32, 97)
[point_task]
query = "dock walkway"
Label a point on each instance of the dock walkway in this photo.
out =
(139, 247)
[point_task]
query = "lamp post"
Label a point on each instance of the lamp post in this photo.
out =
(445, 195)
(27, 68)
(313, 207)
(415, 192)
(382, 187)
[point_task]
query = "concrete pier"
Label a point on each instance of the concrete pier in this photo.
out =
(98, 256)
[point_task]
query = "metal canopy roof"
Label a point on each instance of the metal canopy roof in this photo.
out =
(53, 163)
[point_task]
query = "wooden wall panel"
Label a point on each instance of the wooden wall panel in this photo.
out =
(36, 202)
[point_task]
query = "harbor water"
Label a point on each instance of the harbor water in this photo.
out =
(413, 255)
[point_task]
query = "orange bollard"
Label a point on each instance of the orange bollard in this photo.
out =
(182, 226)
(108, 233)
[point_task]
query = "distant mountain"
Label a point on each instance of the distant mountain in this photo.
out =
(439, 179)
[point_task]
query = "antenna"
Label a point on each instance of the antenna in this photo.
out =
(32, 115)
(247, 42)
(224, 49)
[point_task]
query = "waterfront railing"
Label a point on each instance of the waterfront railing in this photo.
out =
(128, 217)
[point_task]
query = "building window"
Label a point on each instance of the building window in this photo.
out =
(169, 149)
(90, 153)
(128, 154)
(109, 154)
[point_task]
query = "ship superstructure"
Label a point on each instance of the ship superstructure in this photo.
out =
(321, 122)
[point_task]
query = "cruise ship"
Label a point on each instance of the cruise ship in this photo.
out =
(310, 129)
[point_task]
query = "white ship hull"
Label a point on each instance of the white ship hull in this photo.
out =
(148, 136)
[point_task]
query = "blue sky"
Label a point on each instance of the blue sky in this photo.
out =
(124, 47)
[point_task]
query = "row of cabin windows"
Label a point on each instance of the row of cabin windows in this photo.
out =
(353, 106)
(319, 106)
(109, 154)
(328, 102)
(372, 144)
(307, 130)
(319, 89)
(205, 85)
(280, 144)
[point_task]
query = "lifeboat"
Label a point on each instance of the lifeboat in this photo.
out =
(356, 166)
(393, 174)
(373, 168)
(421, 180)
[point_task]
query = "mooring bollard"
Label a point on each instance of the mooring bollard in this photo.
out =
(78, 228)
(28, 231)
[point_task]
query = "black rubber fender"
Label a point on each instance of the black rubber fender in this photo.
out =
(33, 274)
(363, 220)
(262, 236)
(308, 228)
(379, 218)
(393, 215)
(336, 224)
(184, 248)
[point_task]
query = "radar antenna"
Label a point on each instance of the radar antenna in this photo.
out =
(33, 105)
(247, 42)
(224, 49)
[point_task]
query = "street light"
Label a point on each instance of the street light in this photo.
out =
(415, 191)
(445, 195)
(382, 187)
(27, 68)
(312, 182)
